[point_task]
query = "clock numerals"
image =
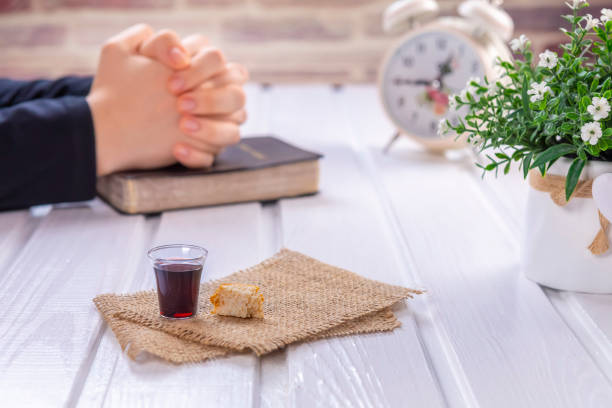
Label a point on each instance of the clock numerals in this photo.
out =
(441, 43)
(414, 115)
(401, 102)
(421, 47)
(408, 62)
(433, 126)
(475, 66)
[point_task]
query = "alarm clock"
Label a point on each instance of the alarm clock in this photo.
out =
(436, 59)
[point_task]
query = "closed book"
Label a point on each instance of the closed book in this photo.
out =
(261, 168)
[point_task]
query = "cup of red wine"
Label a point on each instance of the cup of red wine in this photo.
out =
(178, 269)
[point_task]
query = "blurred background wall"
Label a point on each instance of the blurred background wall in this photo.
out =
(335, 41)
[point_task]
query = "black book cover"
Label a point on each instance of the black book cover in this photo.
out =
(251, 153)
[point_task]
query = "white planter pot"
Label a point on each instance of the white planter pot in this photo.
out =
(556, 238)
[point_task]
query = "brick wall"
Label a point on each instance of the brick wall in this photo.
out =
(279, 40)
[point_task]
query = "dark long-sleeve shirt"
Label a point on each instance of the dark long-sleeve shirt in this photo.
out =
(47, 142)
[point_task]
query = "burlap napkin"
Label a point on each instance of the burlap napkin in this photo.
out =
(135, 338)
(305, 299)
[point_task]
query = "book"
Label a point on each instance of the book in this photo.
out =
(261, 168)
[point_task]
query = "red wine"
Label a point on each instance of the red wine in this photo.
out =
(178, 285)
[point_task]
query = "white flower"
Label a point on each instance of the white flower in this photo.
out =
(591, 132)
(519, 44)
(442, 128)
(493, 89)
(469, 88)
(452, 103)
(476, 140)
(590, 22)
(548, 59)
(606, 15)
(575, 4)
(599, 108)
(538, 90)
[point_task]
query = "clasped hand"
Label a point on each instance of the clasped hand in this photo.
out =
(156, 100)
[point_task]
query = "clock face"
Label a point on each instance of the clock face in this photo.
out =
(421, 75)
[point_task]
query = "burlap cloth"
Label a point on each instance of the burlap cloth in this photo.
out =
(304, 300)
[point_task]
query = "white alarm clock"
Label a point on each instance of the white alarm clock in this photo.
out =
(435, 60)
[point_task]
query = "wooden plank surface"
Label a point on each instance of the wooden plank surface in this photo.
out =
(49, 325)
(16, 227)
(482, 336)
(344, 225)
(599, 309)
(587, 315)
(230, 233)
(511, 342)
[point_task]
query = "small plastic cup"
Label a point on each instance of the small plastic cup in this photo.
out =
(178, 270)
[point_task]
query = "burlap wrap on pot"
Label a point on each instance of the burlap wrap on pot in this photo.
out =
(305, 299)
(555, 186)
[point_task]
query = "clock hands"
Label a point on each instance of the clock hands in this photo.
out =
(406, 81)
(443, 69)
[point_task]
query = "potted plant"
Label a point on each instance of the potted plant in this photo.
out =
(553, 119)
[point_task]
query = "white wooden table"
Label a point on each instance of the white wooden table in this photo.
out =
(482, 336)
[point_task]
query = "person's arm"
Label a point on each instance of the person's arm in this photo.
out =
(13, 92)
(47, 152)
(51, 149)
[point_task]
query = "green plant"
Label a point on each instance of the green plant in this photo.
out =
(534, 115)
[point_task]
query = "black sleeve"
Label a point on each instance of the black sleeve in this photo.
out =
(47, 152)
(13, 92)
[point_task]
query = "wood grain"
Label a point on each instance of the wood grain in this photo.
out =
(344, 225)
(510, 341)
(49, 325)
(483, 335)
(16, 227)
(230, 235)
(598, 308)
(587, 315)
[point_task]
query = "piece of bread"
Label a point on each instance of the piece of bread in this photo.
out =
(237, 299)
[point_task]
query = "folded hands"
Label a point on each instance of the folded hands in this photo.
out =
(157, 99)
